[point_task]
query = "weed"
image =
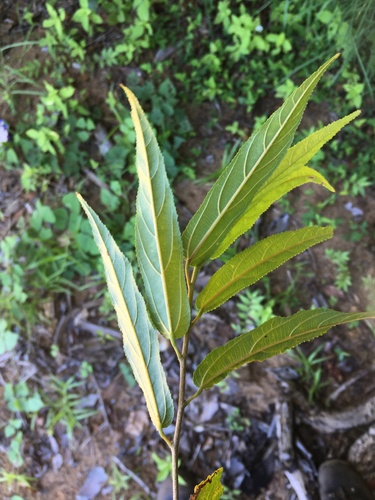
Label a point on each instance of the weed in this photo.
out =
(253, 309)
(19, 401)
(340, 354)
(13, 431)
(8, 339)
(355, 185)
(127, 374)
(119, 482)
(164, 466)
(360, 44)
(357, 231)
(229, 494)
(310, 369)
(65, 406)
(13, 481)
(341, 260)
(313, 216)
(86, 370)
(86, 17)
(235, 422)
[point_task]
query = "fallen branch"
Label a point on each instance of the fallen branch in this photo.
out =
(327, 423)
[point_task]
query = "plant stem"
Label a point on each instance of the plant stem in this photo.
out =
(195, 395)
(180, 414)
(182, 386)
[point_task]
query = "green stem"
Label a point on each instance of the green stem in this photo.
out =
(180, 414)
(175, 347)
(182, 386)
(164, 437)
(195, 395)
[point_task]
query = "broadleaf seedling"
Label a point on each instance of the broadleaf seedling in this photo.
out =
(265, 168)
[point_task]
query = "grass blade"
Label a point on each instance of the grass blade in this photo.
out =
(140, 339)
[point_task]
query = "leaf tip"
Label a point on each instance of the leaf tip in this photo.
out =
(80, 199)
(129, 93)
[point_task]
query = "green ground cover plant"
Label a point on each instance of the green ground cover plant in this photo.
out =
(265, 168)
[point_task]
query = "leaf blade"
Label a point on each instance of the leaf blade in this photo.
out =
(158, 239)
(232, 193)
(290, 174)
(140, 339)
(273, 337)
(250, 265)
(210, 488)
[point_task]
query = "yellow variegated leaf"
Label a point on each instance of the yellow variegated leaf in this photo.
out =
(158, 238)
(141, 344)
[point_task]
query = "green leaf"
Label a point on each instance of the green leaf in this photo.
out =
(8, 339)
(209, 489)
(158, 239)
(140, 339)
(290, 174)
(33, 404)
(67, 92)
(233, 192)
(252, 264)
(273, 337)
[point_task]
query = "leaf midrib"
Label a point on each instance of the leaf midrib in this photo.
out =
(124, 304)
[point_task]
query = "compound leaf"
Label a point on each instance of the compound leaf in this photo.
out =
(233, 192)
(290, 174)
(273, 337)
(140, 339)
(252, 264)
(158, 238)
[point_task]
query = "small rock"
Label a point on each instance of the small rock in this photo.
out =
(96, 478)
(137, 422)
(356, 212)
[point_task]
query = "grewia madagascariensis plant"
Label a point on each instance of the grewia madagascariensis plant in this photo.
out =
(265, 168)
